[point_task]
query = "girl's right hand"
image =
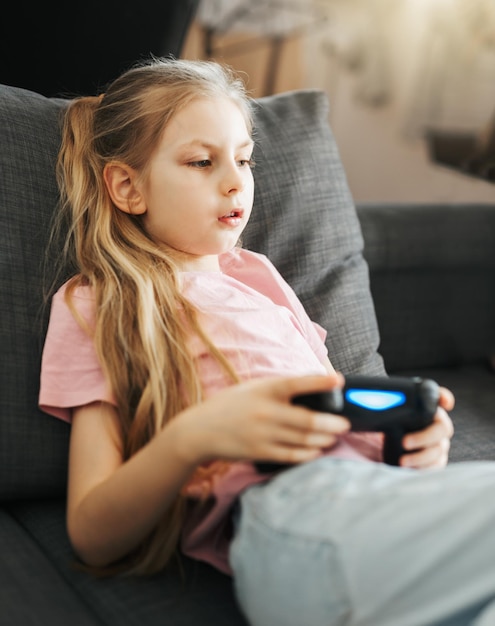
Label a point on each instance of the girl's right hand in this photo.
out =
(256, 421)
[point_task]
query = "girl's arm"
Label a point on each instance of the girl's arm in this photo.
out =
(113, 505)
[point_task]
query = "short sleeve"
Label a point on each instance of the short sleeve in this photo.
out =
(71, 374)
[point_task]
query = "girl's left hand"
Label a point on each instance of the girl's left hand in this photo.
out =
(431, 445)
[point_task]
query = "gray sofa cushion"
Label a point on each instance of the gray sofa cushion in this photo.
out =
(433, 268)
(473, 414)
(32, 447)
(194, 594)
(32, 590)
(304, 220)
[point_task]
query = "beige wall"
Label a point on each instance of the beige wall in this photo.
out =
(382, 160)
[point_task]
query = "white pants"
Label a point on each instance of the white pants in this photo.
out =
(336, 542)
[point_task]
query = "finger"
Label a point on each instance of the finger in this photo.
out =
(291, 455)
(434, 456)
(442, 427)
(444, 418)
(447, 399)
(287, 388)
(305, 439)
(305, 420)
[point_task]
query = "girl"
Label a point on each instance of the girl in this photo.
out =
(167, 351)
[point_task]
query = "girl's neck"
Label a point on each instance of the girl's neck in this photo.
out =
(189, 263)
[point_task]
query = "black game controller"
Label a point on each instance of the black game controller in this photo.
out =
(394, 405)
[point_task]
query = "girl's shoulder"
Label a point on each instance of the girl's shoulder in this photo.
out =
(74, 299)
(255, 270)
(77, 290)
(245, 261)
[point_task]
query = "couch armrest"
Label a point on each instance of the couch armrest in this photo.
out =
(432, 274)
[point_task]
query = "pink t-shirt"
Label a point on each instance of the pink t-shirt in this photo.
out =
(254, 317)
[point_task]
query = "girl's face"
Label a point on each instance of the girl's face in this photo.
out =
(200, 188)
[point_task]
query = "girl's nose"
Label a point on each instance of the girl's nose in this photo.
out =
(233, 179)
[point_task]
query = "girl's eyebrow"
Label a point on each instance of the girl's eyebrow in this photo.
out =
(210, 146)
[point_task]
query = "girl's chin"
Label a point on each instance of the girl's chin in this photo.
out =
(214, 248)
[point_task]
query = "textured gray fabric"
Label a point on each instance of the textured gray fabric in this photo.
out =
(433, 268)
(474, 413)
(304, 220)
(32, 447)
(437, 235)
(32, 591)
(198, 595)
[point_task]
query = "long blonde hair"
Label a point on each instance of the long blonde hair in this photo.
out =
(140, 336)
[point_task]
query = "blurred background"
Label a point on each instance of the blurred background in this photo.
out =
(411, 84)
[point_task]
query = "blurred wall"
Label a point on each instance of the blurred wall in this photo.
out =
(375, 71)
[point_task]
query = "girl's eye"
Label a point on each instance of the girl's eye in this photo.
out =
(246, 162)
(200, 164)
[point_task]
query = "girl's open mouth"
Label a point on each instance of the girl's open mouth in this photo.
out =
(233, 218)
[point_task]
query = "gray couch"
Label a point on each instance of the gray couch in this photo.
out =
(432, 272)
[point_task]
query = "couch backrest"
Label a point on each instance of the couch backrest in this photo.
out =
(432, 271)
(304, 219)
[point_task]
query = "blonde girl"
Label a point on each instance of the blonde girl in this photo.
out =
(168, 353)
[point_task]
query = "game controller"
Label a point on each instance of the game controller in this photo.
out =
(394, 405)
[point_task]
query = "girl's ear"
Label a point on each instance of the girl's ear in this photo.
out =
(120, 180)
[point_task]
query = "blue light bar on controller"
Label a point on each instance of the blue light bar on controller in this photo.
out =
(374, 399)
